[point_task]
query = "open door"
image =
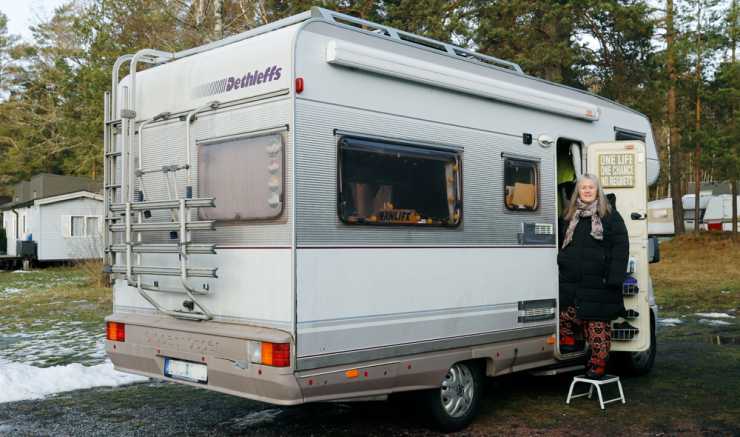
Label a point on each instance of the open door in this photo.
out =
(622, 169)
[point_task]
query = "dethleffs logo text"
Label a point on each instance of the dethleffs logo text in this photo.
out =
(231, 83)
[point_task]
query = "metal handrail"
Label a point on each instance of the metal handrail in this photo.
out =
(114, 88)
(150, 56)
(188, 121)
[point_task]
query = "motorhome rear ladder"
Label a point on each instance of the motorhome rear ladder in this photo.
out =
(128, 207)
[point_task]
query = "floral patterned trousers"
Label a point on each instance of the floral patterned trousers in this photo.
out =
(597, 333)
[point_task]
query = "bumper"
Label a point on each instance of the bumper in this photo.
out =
(221, 346)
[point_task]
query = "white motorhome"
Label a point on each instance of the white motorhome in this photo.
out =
(327, 208)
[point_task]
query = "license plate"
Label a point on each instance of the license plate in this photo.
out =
(186, 370)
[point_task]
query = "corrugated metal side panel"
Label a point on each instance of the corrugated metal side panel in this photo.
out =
(486, 221)
(164, 144)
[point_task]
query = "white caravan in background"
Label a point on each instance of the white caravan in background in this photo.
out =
(327, 208)
(718, 215)
(660, 214)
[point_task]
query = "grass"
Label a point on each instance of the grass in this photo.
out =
(698, 273)
(52, 316)
(47, 296)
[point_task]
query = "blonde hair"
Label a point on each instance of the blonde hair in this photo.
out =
(603, 207)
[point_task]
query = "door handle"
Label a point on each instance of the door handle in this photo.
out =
(638, 216)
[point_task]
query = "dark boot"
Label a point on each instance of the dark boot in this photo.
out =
(596, 369)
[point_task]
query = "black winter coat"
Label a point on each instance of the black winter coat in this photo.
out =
(592, 271)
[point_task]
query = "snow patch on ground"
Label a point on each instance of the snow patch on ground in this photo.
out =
(257, 418)
(714, 322)
(21, 381)
(64, 342)
(670, 322)
(22, 271)
(715, 315)
(12, 290)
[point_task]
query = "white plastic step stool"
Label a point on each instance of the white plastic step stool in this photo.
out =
(596, 383)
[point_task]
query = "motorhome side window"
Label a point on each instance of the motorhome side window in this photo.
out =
(382, 183)
(521, 184)
(244, 175)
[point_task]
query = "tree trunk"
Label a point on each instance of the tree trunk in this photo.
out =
(218, 19)
(673, 140)
(200, 12)
(733, 180)
(697, 149)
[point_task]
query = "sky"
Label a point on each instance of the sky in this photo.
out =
(22, 14)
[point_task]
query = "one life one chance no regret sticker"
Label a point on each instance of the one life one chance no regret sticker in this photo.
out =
(617, 170)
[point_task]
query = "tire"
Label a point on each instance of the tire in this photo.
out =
(637, 363)
(455, 404)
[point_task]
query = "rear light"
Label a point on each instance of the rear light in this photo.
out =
(269, 354)
(714, 226)
(299, 85)
(115, 331)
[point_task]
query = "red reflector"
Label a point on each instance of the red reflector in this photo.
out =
(281, 354)
(115, 331)
(299, 85)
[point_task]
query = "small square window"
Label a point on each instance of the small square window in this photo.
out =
(521, 184)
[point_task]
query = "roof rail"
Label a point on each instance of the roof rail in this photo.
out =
(269, 27)
(390, 32)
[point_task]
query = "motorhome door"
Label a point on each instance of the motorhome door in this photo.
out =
(621, 168)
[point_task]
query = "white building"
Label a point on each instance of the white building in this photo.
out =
(65, 226)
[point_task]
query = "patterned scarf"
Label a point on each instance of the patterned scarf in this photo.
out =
(585, 210)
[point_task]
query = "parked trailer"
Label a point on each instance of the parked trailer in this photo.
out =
(327, 208)
(719, 213)
(660, 214)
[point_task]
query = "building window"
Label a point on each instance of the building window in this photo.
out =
(91, 226)
(81, 225)
(521, 184)
(77, 226)
(244, 175)
(384, 183)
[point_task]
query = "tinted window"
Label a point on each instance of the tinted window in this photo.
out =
(627, 135)
(386, 183)
(521, 184)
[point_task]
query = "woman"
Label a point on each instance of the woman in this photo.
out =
(592, 262)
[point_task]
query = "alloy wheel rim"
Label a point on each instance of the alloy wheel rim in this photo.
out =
(458, 390)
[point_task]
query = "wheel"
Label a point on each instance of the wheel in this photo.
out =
(637, 363)
(454, 405)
